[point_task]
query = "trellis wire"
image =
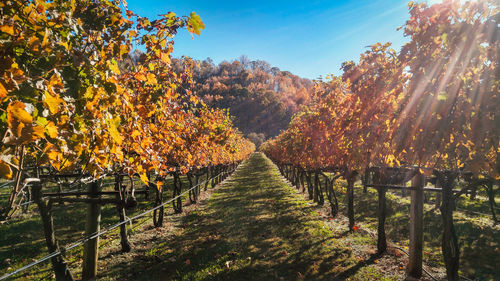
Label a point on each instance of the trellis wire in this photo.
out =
(106, 230)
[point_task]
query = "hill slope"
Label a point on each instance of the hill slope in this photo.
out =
(262, 98)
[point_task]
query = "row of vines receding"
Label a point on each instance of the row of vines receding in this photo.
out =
(89, 91)
(430, 110)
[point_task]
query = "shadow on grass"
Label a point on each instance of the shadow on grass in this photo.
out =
(479, 241)
(252, 228)
(22, 239)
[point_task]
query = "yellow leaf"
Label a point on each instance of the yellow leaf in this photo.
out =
(51, 129)
(52, 102)
(3, 91)
(135, 133)
(165, 58)
(114, 67)
(144, 178)
(7, 29)
(54, 155)
(15, 111)
(115, 134)
(45, 40)
(132, 33)
(5, 171)
(64, 44)
(152, 79)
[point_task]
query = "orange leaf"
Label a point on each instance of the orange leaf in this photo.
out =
(5, 171)
(152, 79)
(3, 91)
(7, 29)
(15, 111)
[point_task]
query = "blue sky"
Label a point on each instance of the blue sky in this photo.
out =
(307, 38)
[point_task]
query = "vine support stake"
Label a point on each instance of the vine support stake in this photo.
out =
(416, 226)
(382, 210)
(350, 199)
(60, 267)
(121, 213)
(92, 225)
(451, 251)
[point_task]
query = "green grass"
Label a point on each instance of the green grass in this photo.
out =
(254, 227)
(22, 240)
(479, 239)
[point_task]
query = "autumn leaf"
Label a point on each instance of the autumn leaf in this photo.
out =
(54, 155)
(135, 133)
(151, 78)
(159, 185)
(51, 129)
(144, 178)
(165, 58)
(52, 102)
(114, 67)
(140, 76)
(7, 29)
(115, 134)
(15, 111)
(5, 171)
(195, 24)
(3, 91)
(17, 117)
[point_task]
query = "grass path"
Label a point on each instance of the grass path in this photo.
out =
(254, 227)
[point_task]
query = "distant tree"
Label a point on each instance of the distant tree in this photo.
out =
(256, 138)
(261, 97)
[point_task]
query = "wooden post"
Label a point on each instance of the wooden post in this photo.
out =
(366, 179)
(416, 226)
(302, 181)
(197, 188)
(309, 185)
(319, 191)
(382, 210)
(491, 200)
(208, 177)
(121, 213)
(451, 252)
(213, 173)
(177, 203)
(437, 203)
(60, 267)
(158, 213)
(92, 225)
(192, 193)
(296, 178)
(350, 199)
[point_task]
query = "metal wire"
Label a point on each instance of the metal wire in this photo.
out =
(6, 184)
(106, 230)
